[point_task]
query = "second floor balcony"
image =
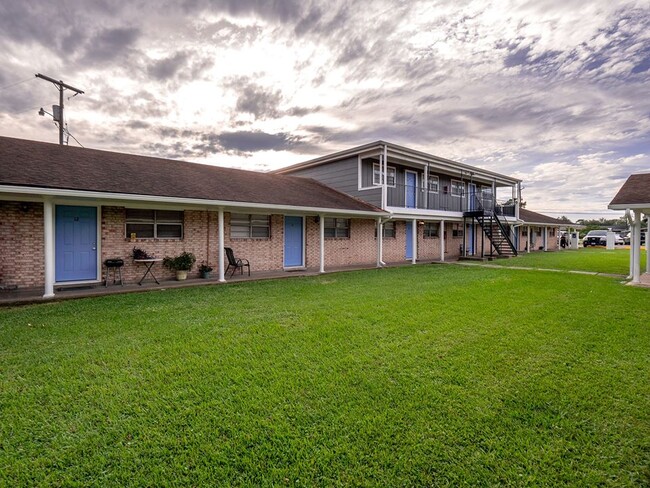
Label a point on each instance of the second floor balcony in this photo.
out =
(408, 196)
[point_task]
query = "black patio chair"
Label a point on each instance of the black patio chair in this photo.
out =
(236, 263)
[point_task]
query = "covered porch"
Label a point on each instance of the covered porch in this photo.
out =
(634, 199)
(25, 296)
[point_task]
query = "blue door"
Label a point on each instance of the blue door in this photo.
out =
(470, 244)
(293, 241)
(411, 189)
(409, 240)
(75, 243)
(473, 201)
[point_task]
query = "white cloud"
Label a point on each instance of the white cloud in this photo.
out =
(543, 89)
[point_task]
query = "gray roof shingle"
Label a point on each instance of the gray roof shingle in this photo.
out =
(45, 165)
(635, 191)
(538, 218)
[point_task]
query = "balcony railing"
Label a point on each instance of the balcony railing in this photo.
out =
(415, 197)
(406, 196)
(506, 209)
(485, 202)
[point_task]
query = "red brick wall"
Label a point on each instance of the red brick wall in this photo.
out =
(264, 254)
(22, 254)
(394, 248)
(552, 243)
(360, 248)
(22, 261)
(537, 238)
(195, 240)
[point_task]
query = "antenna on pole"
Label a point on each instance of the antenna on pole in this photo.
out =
(58, 110)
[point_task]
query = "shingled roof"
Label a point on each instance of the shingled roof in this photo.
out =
(44, 165)
(635, 191)
(528, 216)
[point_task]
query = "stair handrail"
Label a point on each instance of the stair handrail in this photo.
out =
(504, 232)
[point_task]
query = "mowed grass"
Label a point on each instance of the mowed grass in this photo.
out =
(596, 259)
(416, 376)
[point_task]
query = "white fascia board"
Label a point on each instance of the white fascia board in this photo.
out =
(644, 207)
(416, 213)
(373, 146)
(192, 202)
(541, 224)
(450, 165)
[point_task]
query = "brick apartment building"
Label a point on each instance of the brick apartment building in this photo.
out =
(65, 210)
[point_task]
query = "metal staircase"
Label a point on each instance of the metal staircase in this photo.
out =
(494, 228)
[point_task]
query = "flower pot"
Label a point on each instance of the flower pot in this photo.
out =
(206, 275)
(181, 275)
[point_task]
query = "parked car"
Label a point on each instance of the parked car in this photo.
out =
(599, 238)
(625, 235)
(595, 238)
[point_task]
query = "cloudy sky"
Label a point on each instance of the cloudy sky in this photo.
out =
(555, 92)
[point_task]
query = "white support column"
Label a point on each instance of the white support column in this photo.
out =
(321, 234)
(442, 241)
(222, 277)
(636, 248)
(384, 181)
(48, 241)
(380, 243)
(425, 187)
(647, 245)
(414, 238)
(631, 249)
(518, 201)
(528, 240)
(545, 239)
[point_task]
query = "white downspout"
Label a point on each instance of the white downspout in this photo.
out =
(222, 275)
(545, 239)
(48, 244)
(528, 240)
(442, 241)
(321, 233)
(414, 238)
(380, 242)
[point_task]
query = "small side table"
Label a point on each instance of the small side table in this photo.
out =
(149, 263)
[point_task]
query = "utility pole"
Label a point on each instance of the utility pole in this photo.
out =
(60, 86)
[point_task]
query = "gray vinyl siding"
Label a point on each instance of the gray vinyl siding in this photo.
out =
(367, 172)
(343, 176)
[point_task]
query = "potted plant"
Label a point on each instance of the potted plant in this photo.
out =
(205, 270)
(181, 264)
(140, 254)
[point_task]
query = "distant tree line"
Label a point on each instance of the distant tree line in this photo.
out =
(618, 224)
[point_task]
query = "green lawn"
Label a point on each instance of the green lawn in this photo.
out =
(415, 376)
(595, 259)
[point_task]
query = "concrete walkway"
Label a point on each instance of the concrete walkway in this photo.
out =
(527, 268)
(35, 295)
